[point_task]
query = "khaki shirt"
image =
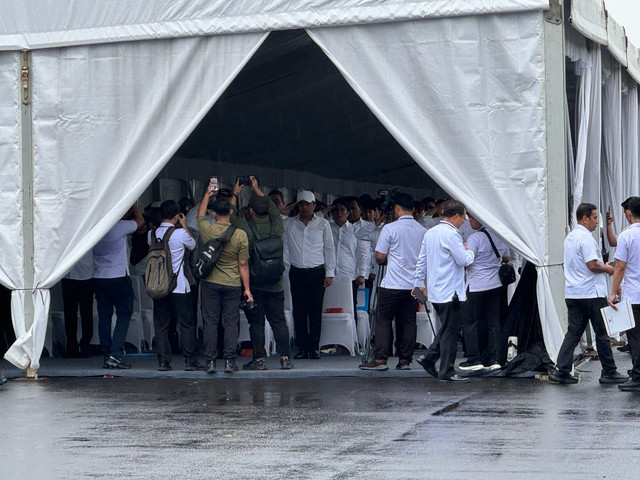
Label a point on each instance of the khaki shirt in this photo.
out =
(226, 270)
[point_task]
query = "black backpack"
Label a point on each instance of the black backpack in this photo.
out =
(210, 253)
(266, 263)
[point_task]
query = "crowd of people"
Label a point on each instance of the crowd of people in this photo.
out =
(430, 250)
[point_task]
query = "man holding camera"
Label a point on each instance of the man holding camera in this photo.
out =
(178, 303)
(266, 281)
(222, 290)
(398, 246)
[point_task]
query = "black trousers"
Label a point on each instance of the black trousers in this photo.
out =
(633, 337)
(445, 345)
(271, 305)
(78, 293)
(220, 302)
(401, 305)
(307, 294)
(481, 325)
(178, 306)
(581, 310)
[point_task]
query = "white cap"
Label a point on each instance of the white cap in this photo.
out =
(305, 196)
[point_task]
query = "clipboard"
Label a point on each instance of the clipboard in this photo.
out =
(618, 321)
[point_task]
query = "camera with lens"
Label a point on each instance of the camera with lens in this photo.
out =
(247, 307)
(389, 198)
(246, 180)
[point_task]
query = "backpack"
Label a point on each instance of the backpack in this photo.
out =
(210, 253)
(266, 263)
(159, 277)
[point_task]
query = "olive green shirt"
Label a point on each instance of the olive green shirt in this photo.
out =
(263, 225)
(226, 271)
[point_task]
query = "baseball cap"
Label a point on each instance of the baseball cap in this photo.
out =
(305, 196)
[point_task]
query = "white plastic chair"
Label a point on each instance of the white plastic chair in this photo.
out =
(339, 328)
(288, 305)
(424, 334)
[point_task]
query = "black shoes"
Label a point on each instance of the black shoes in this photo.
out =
(3, 380)
(428, 366)
(285, 363)
(193, 366)
(230, 365)
(301, 355)
(115, 362)
(314, 355)
(255, 365)
(559, 376)
(164, 367)
(471, 366)
(211, 367)
(615, 377)
(379, 365)
(403, 365)
(630, 386)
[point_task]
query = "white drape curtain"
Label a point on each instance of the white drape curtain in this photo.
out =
(11, 264)
(103, 128)
(630, 138)
(465, 98)
(611, 167)
(589, 127)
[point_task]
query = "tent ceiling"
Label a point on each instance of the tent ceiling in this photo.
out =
(290, 108)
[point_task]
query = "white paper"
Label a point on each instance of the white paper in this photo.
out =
(620, 320)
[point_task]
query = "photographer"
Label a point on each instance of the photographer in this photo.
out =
(222, 290)
(178, 302)
(265, 228)
(398, 246)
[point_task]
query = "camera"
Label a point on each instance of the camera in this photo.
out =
(246, 180)
(247, 307)
(389, 198)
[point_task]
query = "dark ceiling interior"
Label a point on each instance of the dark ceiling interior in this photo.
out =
(290, 108)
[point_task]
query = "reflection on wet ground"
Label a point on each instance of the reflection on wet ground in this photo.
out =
(317, 428)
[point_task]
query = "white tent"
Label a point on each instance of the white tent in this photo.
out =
(95, 100)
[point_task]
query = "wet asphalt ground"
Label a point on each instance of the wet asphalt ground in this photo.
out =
(322, 425)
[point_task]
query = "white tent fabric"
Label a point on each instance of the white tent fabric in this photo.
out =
(588, 125)
(106, 119)
(590, 18)
(464, 110)
(630, 147)
(55, 23)
(612, 181)
(10, 170)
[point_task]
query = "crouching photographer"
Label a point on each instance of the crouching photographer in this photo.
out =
(266, 266)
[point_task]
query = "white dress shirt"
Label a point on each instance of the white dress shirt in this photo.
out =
(482, 274)
(352, 255)
(110, 254)
(579, 282)
(442, 260)
(400, 241)
(83, 270)
(628, 251)
(179, 240)
(309, 246)
(365, 231)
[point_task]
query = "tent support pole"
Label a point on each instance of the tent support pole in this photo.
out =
(557, 200)
(27, 197)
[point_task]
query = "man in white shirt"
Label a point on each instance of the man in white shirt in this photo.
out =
(178, 302)
(442, 260)
(628, 269)
(309, 252)
(481, 311)
(398, 246)
(352, 254)
(77, 291)
(585, 291)
(112, 287)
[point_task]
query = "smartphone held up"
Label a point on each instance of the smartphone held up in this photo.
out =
(213, 184)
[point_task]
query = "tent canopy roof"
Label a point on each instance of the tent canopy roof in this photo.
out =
(55, 23)
(291, 109)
